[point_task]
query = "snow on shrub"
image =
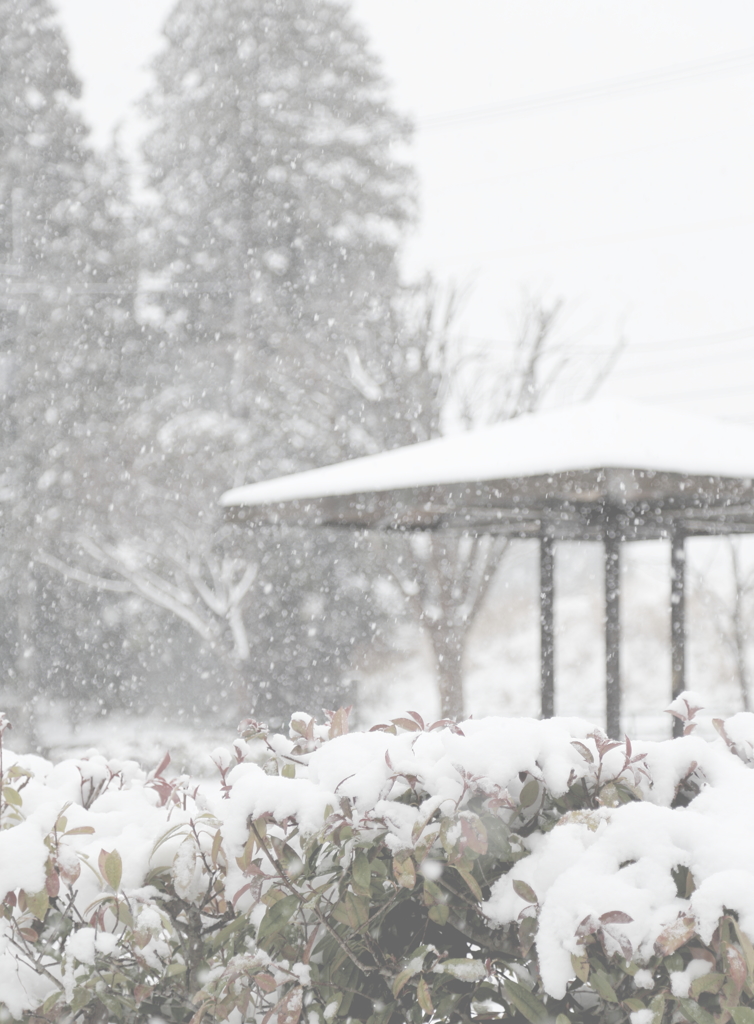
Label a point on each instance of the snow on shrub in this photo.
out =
(496, 868)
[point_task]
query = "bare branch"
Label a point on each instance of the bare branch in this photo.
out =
(80, 576)
(607, 367)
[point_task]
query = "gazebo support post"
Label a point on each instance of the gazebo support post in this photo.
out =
(547, 623)
(678, 620)
(612, 636)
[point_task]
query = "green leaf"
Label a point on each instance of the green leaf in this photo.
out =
(525, 891)
(657, 1006)
(50, 1001)
(580, 966)
(470, 881)
(423, 996)
(693, 1011)
(352, 911)
(361, 874)
(526, 1002)
(742, 1014)
(529, 793)
(602, 986)
(289, 771)
(277, 917)
(712, 982)
(38, 904)
(432, 893)
(173, 970)
(12, 797)
(527, 930)
(81, 998)
(404, 871)
(439, 913)
(746, 946)
(383, 1015)
(415, 966)
(111, 866)
(634, 1004)
(82, 830)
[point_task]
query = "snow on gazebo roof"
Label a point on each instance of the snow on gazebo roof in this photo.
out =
(513, 476)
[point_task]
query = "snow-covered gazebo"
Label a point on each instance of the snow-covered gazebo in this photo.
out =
(605, 470)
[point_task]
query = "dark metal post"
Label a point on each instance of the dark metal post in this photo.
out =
(678, 620)
(612, 636)
(547, 623)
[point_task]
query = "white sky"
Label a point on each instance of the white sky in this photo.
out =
(636, 207)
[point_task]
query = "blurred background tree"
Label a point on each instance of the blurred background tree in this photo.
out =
(280, 337)
(67, 277)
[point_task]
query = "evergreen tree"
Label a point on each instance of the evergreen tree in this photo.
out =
(279, 207)
(65, 298)
(280, 339)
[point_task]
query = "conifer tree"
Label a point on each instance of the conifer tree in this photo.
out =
(279, 207)
(65, 302)
(272, 237)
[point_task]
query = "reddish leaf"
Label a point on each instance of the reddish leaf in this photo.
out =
(615, 917)
(417, 718)
(241, 891)
(675, 935)
(447, 723)
(289, 1008)
(735, 966)
(338, 727)
(406, 723)
(473, 834)
(587, 927)
(142, 992)
(584, 750)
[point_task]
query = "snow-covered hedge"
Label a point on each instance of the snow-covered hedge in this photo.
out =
(518, 868)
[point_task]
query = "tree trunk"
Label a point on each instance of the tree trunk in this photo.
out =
(26, 662)
(448, 646)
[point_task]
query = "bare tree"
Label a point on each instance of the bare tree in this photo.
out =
(187, 575)
(731, 614)
(445, 578)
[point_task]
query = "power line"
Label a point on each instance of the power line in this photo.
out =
(703, 339)
(740, 389)
(716, 358)
(723, 337)
(734, 61)
(630, 236)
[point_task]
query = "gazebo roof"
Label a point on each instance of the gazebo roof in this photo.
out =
(605, 467)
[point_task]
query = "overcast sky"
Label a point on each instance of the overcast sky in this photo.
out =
(601, 152)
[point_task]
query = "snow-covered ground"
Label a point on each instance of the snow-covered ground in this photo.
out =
(503, 663)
